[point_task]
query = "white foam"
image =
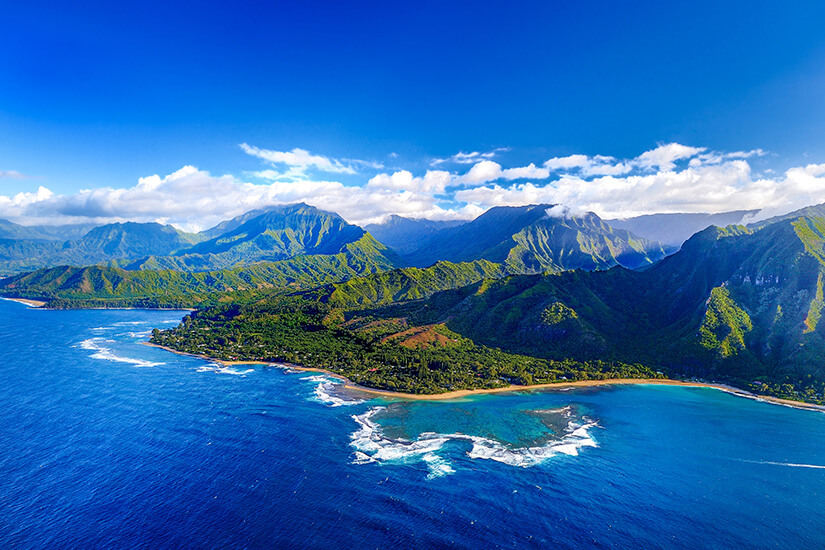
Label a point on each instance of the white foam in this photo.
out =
(221, 369)
(788, 464)
(369, 442)
(107, 354)
(438, 466)
(325, 391)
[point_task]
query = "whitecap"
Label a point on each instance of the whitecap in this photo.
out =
(438, 466)
(788, 464)
(577, 436)
(107, 354)
(325, 392)
(221, 369)
(370, 441)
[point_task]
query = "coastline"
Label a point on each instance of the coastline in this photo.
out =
(42, 304)
(32, 303)
(458, 394)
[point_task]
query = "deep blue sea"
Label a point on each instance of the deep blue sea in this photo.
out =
(108, 443)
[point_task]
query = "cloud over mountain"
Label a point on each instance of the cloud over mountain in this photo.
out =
(669, 178)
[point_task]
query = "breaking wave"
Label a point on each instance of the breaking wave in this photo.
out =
(221, 369)
(327, 392)
(107, 354)
(372, 445)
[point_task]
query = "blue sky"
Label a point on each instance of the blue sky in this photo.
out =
(97, 95)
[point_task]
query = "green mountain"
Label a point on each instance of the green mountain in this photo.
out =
(18, 255)
(405, 235)
(814, 211)
(276, 234)
(102, 244)
(112, 286)
(409, 283)
(126, 240)
(527, 240)
(735, 304)
(61, 233)
(229, 225)
(674, 229)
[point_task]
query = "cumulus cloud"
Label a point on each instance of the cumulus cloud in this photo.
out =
(664, 157)
(563, 211)
(434, 182)
(488, 170)
(670, 178)
(598, 165)
(195, 199)
(729, 185)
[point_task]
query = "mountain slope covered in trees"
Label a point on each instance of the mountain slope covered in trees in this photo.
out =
(531, 239)
(735, 304)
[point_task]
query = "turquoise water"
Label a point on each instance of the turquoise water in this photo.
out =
(105, 442)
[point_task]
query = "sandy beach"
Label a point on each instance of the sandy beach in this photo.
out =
(585, 384)
(458, 394)
(32, 303)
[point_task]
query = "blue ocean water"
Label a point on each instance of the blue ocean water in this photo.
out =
(108, 443)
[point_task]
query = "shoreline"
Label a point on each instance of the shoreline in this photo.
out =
(458, 394)
(42, 304)
(32, 303)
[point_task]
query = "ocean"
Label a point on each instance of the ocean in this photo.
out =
(109, 443)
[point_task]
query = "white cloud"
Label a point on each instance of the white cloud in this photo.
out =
(567, 163)
(563, 211)
(193, 198)
(300, 159)
(716, 182)
(713, 188)
(469, 158)
(531, 171)
(481, 172)
(664, 157)
(12, 174)
(598, 165)
(434, 182)
(488, 170)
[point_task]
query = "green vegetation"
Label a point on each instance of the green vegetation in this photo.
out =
(724, 325)
(527, 240)
(734, 305)
(277, 234)
(301, 331)
(410, 283)
(101, 244)
(741, 305)
(101, 286)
